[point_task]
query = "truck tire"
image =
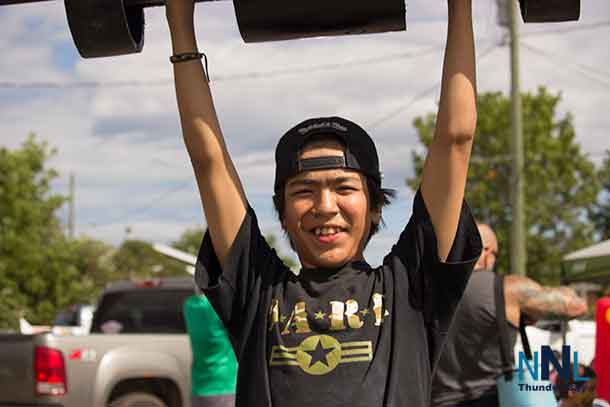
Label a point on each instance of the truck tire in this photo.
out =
(138, 400)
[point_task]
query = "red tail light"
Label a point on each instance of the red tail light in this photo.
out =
(151, 283)
(50, 372)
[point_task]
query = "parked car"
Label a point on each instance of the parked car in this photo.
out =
(138, 353)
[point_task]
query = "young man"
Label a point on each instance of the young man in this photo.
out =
(341, 333)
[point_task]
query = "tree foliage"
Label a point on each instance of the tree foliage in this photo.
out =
(601, 211)
(190, 240)
(36, 274)
(560, 181)
(94, 261)
(136, 259)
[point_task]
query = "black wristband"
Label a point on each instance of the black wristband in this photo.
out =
(188, 56)
(185, 56)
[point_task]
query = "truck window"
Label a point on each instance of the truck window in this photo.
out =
(142, 311)
(67, 317)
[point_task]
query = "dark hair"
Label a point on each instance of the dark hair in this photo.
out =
(378, 198)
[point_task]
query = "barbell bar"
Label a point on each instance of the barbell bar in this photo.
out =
(102, 28)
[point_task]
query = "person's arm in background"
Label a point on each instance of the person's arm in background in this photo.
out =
(446, 166)
(222, 195)
(524, 295)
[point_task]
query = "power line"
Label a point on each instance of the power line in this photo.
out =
(425, 93)
(581, 66)
(580, 27)
(268, 74)
(137, 211)
(505, 158)
(83, 84)
(586, 70)
(389, 116)
(329, 66)
(221, 78)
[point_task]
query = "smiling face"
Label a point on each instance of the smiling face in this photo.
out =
(327, 212)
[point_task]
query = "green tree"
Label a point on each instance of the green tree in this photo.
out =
(136, 259)
(560, 181)
(94, 261)
(35, 272)
(190, 240)
(601, 212)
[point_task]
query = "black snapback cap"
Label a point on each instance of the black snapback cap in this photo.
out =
(360, 152)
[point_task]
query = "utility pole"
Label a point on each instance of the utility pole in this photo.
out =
(71, 215)
(508, 18)
(518, 233)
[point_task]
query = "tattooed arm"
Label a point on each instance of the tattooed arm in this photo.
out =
(537, 302)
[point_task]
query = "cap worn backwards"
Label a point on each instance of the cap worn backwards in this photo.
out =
(360, 152)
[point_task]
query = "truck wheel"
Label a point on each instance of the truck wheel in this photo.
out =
(138, 400)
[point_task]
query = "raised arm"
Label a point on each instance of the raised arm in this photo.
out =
(446, 166)
(524, 295)
(222, 195)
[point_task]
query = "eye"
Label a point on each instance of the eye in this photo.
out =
(346, 188)
(301, 192)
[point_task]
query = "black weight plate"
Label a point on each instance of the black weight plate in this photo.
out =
(273, 20)
(102, 28)
(548, 11)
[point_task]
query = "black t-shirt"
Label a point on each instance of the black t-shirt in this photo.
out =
(353, 336)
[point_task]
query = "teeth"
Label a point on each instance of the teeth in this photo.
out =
(326, 231)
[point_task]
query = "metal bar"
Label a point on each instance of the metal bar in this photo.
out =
(144, 3)
(11, 2)
(139, 3)
(153, 3)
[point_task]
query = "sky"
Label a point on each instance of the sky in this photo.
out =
(115, 124)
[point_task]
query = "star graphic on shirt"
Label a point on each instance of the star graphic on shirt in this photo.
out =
(318, 354)
(364, 312)
(320, 315)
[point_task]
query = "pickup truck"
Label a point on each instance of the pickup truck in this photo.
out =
(138, 354)
(74, 320)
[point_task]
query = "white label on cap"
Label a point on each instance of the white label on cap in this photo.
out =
(334, 125)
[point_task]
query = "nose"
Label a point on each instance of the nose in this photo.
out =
(326, 203)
